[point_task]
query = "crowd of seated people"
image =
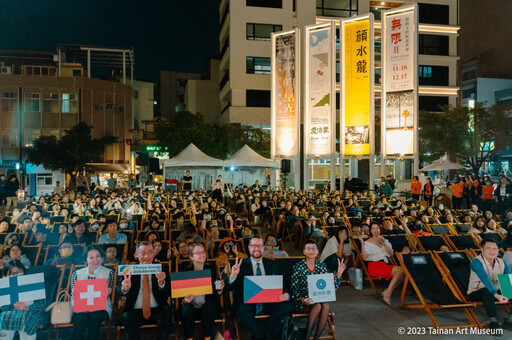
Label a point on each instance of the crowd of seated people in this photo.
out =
(190, 230)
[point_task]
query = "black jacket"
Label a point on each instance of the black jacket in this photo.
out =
(11, 187)
(270, 267)
(161, 294)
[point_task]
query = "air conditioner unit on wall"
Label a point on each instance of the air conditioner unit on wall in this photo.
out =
(5, 70)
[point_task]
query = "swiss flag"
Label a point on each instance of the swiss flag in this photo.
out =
(90, 295)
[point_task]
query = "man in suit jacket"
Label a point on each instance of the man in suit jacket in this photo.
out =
(260, 328)
(142, 308)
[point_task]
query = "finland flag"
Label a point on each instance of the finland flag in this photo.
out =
(23, 288)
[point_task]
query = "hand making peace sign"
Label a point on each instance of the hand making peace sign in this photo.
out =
(235, 270)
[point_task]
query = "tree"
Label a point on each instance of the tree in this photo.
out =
(473, 135)
(214, 140)
(71, 153)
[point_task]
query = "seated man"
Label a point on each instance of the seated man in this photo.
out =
(146, 298)
(79, 234)
(257, 265)
(112, 236)
(314, 231)
(484, 288)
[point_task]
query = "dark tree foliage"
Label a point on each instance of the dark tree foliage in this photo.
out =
(473, 135)
(71, 153)
(214, 140)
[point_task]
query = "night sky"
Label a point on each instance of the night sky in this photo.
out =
(166, 34)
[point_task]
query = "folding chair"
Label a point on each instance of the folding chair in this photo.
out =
(362, 264)
(434, 242)
(441, 229)
(434, 288)
(462, 242)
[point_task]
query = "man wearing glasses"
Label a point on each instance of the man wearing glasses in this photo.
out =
(256, 265)
(483, 280)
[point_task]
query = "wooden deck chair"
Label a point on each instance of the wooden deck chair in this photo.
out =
(360, 262)
(32, 253)
(432, 243)
(434, 288)
(461, 228)
(441, 229)
(398, 242)
(462, 242)
(221, 319)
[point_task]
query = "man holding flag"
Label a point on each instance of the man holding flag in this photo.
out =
(146, 297)
(257, 265)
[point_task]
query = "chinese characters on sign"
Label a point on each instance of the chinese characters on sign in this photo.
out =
(284, 120)
(356, 51)
(399, 48)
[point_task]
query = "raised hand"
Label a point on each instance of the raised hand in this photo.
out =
(127, 283)
(189, 298)
(160, 277)
(235, 270)
(341, 267)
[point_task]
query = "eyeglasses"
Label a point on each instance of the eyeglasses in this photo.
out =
(256, 245)
(491, 248)
(199, 253)
(311, 248)
(229, 245)
(272, 240)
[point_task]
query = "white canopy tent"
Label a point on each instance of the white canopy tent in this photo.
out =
(203, 168)
(246, 166)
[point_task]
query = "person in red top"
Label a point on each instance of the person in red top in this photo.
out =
(416, 188)
(487, 190)
(428, 191)
(457, 194)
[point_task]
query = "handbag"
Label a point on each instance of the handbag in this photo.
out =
(61, 309)
(355, 275)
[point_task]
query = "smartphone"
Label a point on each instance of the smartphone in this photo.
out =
(218, 285)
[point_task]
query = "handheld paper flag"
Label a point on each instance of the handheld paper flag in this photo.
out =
(22, 288)
(90, 295)
(140, 269)
(262, 289)
(192, 282)
(505, 281)
(321, 287)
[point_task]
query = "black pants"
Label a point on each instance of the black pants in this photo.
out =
(487, 299)
(88, 320)
(208, 313)
(160, 316)
(261, 328)
(457, 202)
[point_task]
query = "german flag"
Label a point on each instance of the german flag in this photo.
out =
(193, 282)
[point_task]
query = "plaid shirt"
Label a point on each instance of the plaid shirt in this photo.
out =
(28, 321)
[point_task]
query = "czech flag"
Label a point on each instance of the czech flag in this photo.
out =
(262, 289)
(192, 282)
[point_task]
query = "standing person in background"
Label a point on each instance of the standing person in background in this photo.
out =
(503, 194)
(112, 182)
(57, 189)
(428, 191)
(3, 181)
(385, 188)
(11, 190)
(487, 199)
(187, 181)
(218, 189)
(392, 181)
(476, 193)
(416, 188)
(457, 194)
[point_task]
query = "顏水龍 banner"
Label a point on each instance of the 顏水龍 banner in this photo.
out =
(320, 89)
(357, 54)
(399, 72)
(285, 118)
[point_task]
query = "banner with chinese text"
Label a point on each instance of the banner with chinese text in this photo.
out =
(399, 100)
(285, 112)
(357, 98)
(320, 96)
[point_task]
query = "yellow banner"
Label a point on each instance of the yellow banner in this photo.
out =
(357, 88)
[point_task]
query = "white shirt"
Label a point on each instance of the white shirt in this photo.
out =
(255, 266)
(376, 253)
(138, 302)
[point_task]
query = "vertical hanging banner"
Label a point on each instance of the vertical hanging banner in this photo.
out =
(357, 89)
(320, 89)
(284, 102)
(399, 93)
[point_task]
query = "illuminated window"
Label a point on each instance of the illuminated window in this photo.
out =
(69, 103)
(32, 102)
(258, 65)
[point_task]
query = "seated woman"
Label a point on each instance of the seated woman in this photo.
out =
(205, 305)
(15, 252)
(160, 251)
(91, 321)
(64, 256)
(318, 312)
(483, 280)
(375, 251)
(24, 317)
(493, 227)
(478, 226)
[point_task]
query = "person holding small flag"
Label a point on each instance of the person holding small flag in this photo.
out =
(25, 317)
(206, 305)
(257, 265)
(91, 321)
(302, 302)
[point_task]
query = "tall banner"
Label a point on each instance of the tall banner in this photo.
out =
(357, 89)
(285, 108)
(320, 89)
(399, 79)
